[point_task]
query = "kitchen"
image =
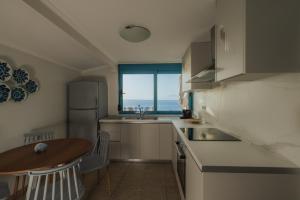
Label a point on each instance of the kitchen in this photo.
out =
(233, 66)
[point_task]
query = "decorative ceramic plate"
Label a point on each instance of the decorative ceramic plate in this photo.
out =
(5, 71)
(4, 93)
(18, 94)
(31, 86)
(20, 76)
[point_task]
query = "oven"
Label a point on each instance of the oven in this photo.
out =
(181, 159)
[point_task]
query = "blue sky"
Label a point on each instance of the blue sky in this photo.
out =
(140, 86)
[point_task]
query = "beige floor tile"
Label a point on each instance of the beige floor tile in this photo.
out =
(136, 181)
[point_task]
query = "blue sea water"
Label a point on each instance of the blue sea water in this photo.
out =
(162, 105)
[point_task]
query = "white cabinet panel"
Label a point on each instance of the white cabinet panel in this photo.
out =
(149, 141)
(165, 142)
(230, 38)
(249, 38)
(115, 150)
(194, 180)
(174, 151)
(114, 130)
(130, 140)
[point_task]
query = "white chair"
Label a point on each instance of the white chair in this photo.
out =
(58, 183)
(4, 191)
(98, 159)
(38, 136)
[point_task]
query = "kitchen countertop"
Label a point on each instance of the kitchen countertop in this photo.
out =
(133, 120)
(221, 156)
(232, 156)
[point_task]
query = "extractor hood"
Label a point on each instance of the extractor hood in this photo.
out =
(207, 74)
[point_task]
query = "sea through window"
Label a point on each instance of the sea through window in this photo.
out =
(154, 87)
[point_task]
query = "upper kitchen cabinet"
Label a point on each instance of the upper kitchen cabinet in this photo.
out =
(197, 58)
(257, 38)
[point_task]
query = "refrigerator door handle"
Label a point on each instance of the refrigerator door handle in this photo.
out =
(96, 100)
(96, 115)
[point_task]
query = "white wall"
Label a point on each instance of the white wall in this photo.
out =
(265, 112)
(111, 76)
(45, 109)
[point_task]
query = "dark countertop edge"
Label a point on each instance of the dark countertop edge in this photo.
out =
(252, 170)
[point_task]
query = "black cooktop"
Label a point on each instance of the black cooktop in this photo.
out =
(207, 134)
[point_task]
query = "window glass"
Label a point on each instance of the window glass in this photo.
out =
(168, 92)
(138, 89)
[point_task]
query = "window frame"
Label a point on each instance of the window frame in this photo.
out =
(155, 69)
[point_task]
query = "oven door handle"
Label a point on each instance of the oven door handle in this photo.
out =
(179, 152)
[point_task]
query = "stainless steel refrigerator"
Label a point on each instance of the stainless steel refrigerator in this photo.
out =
(87, 103)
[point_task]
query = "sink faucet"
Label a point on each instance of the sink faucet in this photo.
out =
(140, 112)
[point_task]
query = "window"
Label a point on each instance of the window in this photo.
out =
(138, 89)
(155, 87)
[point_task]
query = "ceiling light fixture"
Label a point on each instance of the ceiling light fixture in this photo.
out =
(133, 33)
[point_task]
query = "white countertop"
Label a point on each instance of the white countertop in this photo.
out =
(232, 156)
(132, 120)
(221, 156)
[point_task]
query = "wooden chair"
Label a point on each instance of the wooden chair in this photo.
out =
(98, 159)
(4, 191)
(38, 136)
(58, 183)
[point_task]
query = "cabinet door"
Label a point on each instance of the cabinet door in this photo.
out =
(149, 141)
(165, 142)
(115, 150)
(114, 131)
(130, 141)
(186, 70)
(174, 151)
(194, 179)
(230, 38)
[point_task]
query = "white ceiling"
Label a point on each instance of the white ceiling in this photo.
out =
(23, 28)
(174, 25)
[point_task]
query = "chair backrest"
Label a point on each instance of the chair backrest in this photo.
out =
(62, 182)
(38, 136)
(102, 146)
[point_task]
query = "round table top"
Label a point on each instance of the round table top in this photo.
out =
(60, 151)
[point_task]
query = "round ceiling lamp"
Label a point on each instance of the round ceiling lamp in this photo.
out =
(133, 33)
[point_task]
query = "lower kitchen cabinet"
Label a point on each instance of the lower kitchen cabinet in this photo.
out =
(115, 150)
(165, 141)
(149, 134)
(114, 131)
(193, 179)
(174, 151)
(130, 141)
(139, 141)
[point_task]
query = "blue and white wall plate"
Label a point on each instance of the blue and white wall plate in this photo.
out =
(31, 86)
(20, 76)
(5, 71)
(18, 94)
(5, 93)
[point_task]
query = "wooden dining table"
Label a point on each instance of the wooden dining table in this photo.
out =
(21, 160)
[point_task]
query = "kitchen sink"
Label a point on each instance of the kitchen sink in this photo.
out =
(144, 118)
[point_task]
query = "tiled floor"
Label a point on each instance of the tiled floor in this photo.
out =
(135, 181)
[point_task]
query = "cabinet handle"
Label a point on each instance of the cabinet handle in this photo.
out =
(224, 38)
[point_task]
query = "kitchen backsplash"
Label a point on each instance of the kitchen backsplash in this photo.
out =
(265, 112)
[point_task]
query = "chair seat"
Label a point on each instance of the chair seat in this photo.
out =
(4, 190)
(91, 163)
